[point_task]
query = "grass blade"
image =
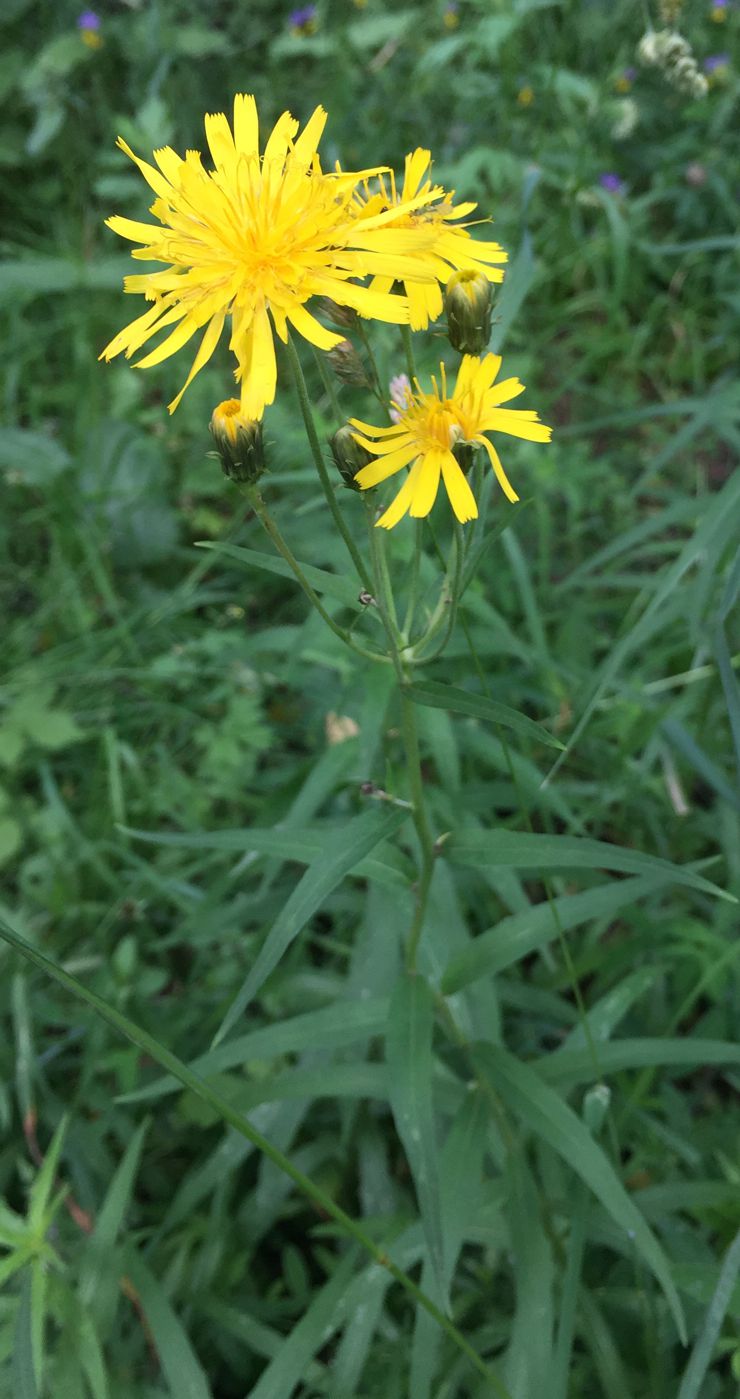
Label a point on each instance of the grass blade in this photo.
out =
(182, 1368)
(701, 1356)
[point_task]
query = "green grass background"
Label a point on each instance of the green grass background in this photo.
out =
(152, 687)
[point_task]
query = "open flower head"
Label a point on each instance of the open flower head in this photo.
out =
(420, 204)
(432, 425)
(255, 239)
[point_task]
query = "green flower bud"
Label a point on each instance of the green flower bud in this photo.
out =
(347, 364)
(239, 442)
(348, 455)
(468, 309)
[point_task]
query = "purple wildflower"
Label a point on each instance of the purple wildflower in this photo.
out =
(88, 20)
(611, 183)
(716, 61)
(303, 19)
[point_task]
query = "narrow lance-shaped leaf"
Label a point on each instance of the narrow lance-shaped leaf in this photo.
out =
(439, 696)
(545, 1114)
(410, 1069)
(320, 879)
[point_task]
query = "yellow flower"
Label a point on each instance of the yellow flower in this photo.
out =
(424, 205)
(432, 425)
(255, 239)
(525, 96)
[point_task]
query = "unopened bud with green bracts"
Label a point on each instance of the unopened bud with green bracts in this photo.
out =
(239, 442)
(349, 456)
(347, 364)
(468, 309)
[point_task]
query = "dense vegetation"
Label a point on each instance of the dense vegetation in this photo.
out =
(544, 1138)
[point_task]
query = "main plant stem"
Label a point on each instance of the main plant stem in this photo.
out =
(318, 456)
(409, 735)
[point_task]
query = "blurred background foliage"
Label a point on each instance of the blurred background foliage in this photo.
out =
(149, 685)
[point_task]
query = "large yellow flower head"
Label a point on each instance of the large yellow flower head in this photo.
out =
(255, 239)
(431, 425)
(420, 204)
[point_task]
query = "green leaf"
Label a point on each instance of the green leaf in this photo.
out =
(439, 696)
(316, 1326)
(283, 841)
(520, 933)
(332, 1027)
(351, 844)
(97, 1285)
(10, 838)
(523, 850)
(182, 1368)
(320, 1197)
(410, 1070)
(701, 1355)
(572, 1066)
(40, 1196)
(52, 728)
(33, 458)
(545, 1114)
(332, 584)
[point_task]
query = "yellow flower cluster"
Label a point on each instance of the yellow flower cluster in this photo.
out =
(258, 236)
(262, 233)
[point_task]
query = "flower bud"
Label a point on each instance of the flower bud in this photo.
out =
(468, 309)
(239, 442)
(347, 364)
(348, 455)
(341, 316)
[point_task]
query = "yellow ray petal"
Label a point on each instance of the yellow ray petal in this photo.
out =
(415, 165)
(311, 330)
(220, 140)
(304, 148)
(380, 470)
(458, 489)
(280, 137)
(426, 485)
(385, 446)
(517, 422)
(501, 476)
(400, 505)
(172, 343)
(395, 431)
(205, 350)
(246, 125)
(503, 392)
(138, 232)
(258, 366)
(170, 163)
(129, 333)
(153, 178)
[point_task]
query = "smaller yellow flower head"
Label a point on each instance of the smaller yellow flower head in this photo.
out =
(525, 96)
(422, 205)
(431, 425)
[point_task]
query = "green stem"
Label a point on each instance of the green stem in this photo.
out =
(447, 606)
(408, 347)
(318, 456)
(414, 583)
(410, 736)
(254, 497)
(243, 1126)
(330, 387)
